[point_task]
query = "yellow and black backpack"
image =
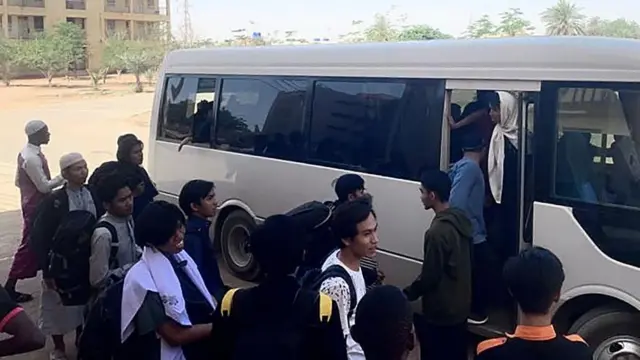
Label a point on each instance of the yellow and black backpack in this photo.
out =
(278, 333)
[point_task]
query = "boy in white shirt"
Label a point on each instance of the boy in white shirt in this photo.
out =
(356, 226)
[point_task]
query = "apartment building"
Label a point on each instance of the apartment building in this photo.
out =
(135, 19)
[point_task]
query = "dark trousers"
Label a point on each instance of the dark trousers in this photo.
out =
(441, 342)
(482, 265)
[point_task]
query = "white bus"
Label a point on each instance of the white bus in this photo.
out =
(274, 126)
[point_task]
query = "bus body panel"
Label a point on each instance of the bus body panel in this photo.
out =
(270, 186)
(586, 266)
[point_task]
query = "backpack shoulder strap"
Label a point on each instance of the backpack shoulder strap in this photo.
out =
(326, 308)
(340, 272)
(313, 306)
(113, 254)
(227, 301)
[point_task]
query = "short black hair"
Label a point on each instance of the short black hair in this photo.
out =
(194, 192)
(278, 245)
(157, 223)
(438, 182)
(384, 323)
(348, 184)
(473, 142)
(108, 186)
(347, 216)
(534, 278)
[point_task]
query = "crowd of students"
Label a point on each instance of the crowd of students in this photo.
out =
(153, 264)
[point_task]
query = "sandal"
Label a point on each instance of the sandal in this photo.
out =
(20, 297)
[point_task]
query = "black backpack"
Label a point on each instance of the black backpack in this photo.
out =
(314, 278)
(273, 337)
(315, 219)
(69, 256)
(100, 337)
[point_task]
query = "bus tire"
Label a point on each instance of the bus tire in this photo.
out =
(234, 245)
(609, 332)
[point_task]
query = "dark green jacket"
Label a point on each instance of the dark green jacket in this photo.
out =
(445, 282)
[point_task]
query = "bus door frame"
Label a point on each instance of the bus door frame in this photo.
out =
(519, 88)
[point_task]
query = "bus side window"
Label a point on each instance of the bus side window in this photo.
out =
(187, 109)
(262, 116)
(597, 168)
(383, 127)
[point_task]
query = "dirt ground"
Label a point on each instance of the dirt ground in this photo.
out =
(81, 119)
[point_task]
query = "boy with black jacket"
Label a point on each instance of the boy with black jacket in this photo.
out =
(198, 201)
(445, 282)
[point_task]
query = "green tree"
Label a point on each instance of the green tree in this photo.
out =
(564, 18)
(619, 28)
(44, 54)
(53, 52)
(381, 30)
(481, 28)
(140, 57)
(72, 41)
(421, 32)
(112, 52)
(513, 23)
(9, 58)
(355, 35)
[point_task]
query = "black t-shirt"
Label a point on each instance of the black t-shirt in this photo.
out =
(8, 308)
(535, 343)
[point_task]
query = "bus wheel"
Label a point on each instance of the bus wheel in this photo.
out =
(235, 245)
(612, 334)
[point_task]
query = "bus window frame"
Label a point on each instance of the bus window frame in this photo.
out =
(546, 122)
(160, 120)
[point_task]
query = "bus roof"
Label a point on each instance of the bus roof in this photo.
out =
(519, 58)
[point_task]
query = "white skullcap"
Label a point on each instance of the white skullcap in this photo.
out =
(34, 126)
(69, 160)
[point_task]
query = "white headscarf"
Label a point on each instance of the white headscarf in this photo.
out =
(506, 128)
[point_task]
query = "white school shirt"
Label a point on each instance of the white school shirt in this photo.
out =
(338, 290)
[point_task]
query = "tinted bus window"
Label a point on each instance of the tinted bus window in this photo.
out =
(390, 128)
(597, 165)
(187, 109)
(262, 116)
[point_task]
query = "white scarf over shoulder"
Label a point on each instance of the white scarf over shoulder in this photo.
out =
(154, 272)
(506, 128)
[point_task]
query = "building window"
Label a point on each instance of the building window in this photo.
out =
(262, 116)
(389, 128)
(188, 109)
(38, 23)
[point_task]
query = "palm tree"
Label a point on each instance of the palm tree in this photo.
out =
(564, 18)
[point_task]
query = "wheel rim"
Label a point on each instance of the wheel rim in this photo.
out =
(618, 348)
(239, 246)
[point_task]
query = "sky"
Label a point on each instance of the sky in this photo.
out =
(330, 18)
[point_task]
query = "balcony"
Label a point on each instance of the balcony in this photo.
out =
(76, 5)
(148, 7)
(27, 3)
(21, 33)
(117, 6)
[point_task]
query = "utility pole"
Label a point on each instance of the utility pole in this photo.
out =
(187, 29)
